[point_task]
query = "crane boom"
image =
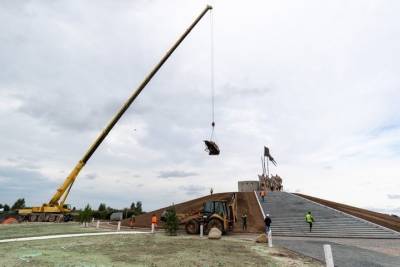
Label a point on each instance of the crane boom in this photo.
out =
(56, 204)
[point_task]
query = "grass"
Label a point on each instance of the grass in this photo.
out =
(136, 250)
(39, 229)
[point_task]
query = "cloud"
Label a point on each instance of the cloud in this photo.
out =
(390, 211)
(393, 196)
(16, 182)
(194, 190)
(91, 176)
(176, 174)
(320, 95)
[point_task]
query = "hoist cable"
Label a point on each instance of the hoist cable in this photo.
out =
(212, 73)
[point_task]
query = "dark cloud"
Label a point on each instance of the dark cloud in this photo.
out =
(393, 196)
(176, 174)
(63, 112)
(194, 189)
(91, 176)
(29, 184)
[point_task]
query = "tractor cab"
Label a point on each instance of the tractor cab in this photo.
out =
(215, 207)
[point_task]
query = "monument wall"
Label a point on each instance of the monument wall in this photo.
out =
(248, 186)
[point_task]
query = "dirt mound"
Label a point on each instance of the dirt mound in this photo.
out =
(246, 202)
(375, 217)
(10, 220)
(189, 207)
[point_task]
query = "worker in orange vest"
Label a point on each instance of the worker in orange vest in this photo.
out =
(153, 222)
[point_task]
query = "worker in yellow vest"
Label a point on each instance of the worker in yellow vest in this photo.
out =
(309, 219)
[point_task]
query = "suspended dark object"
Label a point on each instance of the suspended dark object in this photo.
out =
(212, 148)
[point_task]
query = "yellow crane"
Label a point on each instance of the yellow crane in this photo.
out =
(56, 209)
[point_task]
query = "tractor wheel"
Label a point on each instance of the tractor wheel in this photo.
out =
(215, 223)
(192, 227)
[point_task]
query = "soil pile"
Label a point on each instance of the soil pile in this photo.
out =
(189, 207)
(247, 203)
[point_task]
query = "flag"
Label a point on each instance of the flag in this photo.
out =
(268, 155)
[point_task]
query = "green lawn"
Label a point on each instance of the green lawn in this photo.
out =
(39, 229)
(144, 250)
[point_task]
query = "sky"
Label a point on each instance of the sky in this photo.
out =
(315, 81)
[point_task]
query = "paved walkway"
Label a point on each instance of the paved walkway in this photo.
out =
(70, 235)
(356, 252)
(350, 253)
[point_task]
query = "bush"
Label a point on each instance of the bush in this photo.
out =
(85, 215)
(171, 221)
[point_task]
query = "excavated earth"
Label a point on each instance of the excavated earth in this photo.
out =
(246, 202)
(375, 217)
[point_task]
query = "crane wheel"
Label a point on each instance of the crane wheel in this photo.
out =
(60, 218)
(41, 218)
(192, 227)
(215, 223)
(52, 218)
(32, 218)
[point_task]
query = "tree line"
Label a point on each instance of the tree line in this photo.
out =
(19, 204)
(103, 212)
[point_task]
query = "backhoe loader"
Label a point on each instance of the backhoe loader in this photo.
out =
(221, 214)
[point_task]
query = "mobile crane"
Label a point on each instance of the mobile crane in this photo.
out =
(56, 209)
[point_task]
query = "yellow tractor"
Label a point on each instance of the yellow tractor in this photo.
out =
(221, 214)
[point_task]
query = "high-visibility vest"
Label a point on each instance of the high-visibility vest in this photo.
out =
(309, 218)
(154, 219)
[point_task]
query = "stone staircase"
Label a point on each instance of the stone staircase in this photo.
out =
(287, 213)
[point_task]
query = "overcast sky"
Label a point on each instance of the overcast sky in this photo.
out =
(317, 82)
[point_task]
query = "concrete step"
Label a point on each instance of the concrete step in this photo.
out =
(288, 212)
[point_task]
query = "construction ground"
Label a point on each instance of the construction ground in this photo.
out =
(143, 249)
(357, 237)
